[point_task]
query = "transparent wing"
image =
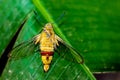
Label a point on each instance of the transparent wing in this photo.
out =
(24, 49)
(68, 52)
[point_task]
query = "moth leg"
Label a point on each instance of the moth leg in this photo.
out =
(58, 39)
(55, 41)
(38, 38)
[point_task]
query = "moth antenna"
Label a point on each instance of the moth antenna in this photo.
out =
(61, 16)
(37, 17)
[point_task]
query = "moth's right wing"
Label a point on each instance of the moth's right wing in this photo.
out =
(24, 49)
(68, 52)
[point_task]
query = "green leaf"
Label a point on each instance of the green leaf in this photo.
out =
(11, 17)
(14, 67)
(91, 27)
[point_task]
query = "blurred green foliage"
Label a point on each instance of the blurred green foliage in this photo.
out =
(92, 27)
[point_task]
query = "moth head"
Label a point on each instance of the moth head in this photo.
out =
(48, 26)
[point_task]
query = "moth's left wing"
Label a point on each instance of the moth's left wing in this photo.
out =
(24, 49)
(68, 52)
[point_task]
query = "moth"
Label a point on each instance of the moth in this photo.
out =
(48, 43)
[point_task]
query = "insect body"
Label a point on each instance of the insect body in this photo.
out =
(48, 42)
